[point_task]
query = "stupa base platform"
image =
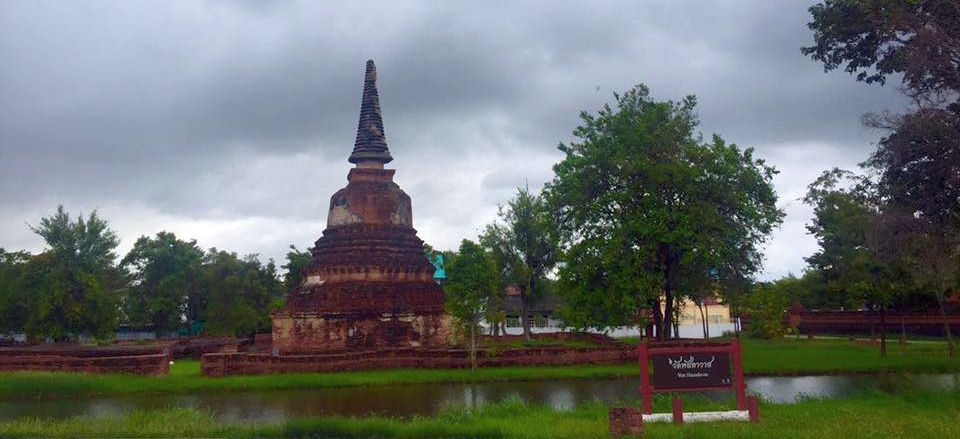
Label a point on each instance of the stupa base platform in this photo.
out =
(314, 332)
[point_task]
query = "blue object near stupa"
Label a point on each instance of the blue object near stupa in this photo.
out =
(439, 274)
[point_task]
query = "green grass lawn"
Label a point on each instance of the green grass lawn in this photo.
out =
(760, 358)
(869, 415)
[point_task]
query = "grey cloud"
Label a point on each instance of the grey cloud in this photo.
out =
(244, 112)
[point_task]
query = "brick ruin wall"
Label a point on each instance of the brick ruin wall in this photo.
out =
(143, 364)
(216, 365)
(625, 421)
(860, 323)
(151, 359)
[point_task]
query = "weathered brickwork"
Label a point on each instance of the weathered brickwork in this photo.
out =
(304, 332)
(625, 421)
(369, 284)
(148, 364)
(215, 365)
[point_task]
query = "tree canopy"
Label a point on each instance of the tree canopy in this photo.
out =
(646, 210)
(917, 163)
(875, 39)
(525, 248)
(76, 288)
(165, 272)
(74, 285)
(473, 282)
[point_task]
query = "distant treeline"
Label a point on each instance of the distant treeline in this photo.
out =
(77, 287)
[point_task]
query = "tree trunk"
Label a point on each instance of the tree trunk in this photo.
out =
(657, 320)
(706, 321)
(677, 314)
(903, 335)
(736, 321)
(473, 344)
(883, 331)
(703, 319)
(667, 307)
(524, 315)
(946, 325)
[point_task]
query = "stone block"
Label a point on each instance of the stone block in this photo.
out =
(626, 421)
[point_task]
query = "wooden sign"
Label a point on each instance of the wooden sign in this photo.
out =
(691, 371)
(691, 366)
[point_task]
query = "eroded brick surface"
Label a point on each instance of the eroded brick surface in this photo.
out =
(369, 284)
(391, 358)
(626, 421)
(150, 364)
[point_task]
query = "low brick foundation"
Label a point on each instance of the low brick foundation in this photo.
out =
(197, 346)
(625, 421)
(597, 339)
(216, 365)
(91, 361)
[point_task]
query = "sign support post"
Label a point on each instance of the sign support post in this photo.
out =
(739, 385)
(645, 388)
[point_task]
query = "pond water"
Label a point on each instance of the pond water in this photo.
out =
(429, 399)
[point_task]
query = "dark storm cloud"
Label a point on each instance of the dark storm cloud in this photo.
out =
(216, 118)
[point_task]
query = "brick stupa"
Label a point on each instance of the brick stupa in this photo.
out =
(369, 284)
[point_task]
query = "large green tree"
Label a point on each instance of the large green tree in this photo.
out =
(641, 200)
(856, 261)
(14, 299)
(164, 272)
(525, 248)
(473, 280)
(918, 162)
(74, 284)
(918, 165)
(240, 293)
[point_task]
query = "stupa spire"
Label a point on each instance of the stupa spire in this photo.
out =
(371, 144)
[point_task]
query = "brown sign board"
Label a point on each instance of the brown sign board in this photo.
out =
(692, 370)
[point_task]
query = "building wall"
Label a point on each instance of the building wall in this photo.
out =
(716, 314)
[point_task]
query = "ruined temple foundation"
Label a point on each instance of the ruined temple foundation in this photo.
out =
(369, 284)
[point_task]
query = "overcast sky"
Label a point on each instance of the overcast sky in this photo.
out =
(231, 122)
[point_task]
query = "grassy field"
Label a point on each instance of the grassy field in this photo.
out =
(760, 358)
(869, 415)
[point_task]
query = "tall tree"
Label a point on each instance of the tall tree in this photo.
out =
(473, 280)
(75, 284)
(639, 197)
(14, 299)
(240, 292)
(918, 163)
(165, 270)
(845, 213)
(525, 247)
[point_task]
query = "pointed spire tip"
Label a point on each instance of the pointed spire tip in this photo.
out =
(371, 143)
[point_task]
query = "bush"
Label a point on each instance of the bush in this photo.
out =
(766, 306)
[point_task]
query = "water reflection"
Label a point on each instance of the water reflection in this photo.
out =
(429, 399)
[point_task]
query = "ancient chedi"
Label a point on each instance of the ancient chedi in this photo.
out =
(369, 284)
